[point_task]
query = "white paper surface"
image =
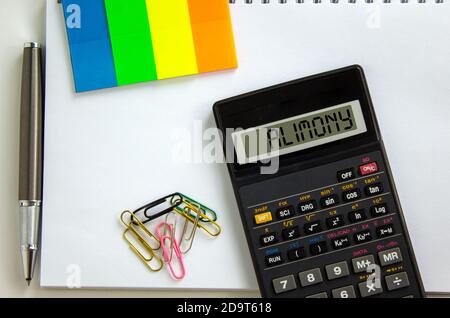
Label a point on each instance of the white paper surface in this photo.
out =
(109, 150)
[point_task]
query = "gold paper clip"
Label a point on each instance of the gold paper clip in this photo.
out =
(136, 228)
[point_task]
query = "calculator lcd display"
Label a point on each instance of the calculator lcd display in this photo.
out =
(299, 132)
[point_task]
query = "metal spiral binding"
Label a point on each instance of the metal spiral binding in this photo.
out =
(332, 1)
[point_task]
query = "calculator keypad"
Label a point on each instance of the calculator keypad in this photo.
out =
(326, 242)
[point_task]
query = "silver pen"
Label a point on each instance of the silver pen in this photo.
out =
(30, 159)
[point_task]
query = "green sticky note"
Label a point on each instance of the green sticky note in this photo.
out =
(131, 41)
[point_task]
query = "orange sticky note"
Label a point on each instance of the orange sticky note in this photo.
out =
(213, 35)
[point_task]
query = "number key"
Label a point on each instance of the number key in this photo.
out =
(284, 284)
(337, 270)
(311, 277)
(344, 292)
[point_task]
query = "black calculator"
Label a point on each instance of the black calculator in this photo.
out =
(315, 192)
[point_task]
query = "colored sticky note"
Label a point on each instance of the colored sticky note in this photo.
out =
(120, 42)
(172, 38)
(213, 38)
(89, 43)
(131, 41)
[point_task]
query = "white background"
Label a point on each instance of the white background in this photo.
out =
(23, 21)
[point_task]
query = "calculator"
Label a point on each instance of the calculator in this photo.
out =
(315, 192)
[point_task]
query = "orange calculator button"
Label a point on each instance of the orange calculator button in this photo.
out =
(263, 217)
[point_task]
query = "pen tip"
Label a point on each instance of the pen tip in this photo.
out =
(28, 282)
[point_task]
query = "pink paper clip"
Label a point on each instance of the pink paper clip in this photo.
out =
(173, 244)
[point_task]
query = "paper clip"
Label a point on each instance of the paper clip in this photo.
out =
(167, 199)
(174, 229)
(204, 209)
(176, 248)
(189, 238)
(209, 225)
(137, 229)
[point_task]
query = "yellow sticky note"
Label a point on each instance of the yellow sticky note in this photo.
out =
(173, 43)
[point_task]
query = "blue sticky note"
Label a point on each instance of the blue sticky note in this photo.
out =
(90, 45)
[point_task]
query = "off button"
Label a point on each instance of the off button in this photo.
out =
(345, 175)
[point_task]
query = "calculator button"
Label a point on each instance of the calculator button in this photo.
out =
(291, 233)
(286, 212)
(360, 264)
(389, 257)
(385, 230)
(357, 216)
(263, 218)
(312, 227)
(351, 195)
(337, 270)
(397, 281)
(284, 284)
(296, 254)
(307, 207)
(362, 237)
(379, 209)
(368, 168)
(335, 221)
(319, 295)
(311, 277)
(344, 292)
(374, 189)
(274, 259)
(369, 288)
(340, 242)
(269, 238)
(318, 248)
(345, 175)
(329, 201)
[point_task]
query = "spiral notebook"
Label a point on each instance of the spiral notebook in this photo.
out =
(119, 148)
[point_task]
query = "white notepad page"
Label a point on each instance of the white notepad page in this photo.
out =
(109, 150)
